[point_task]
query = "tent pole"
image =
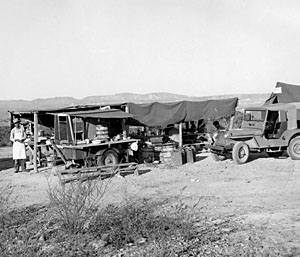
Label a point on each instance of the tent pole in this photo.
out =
(231, 124)
(35, 140)
(180, 134)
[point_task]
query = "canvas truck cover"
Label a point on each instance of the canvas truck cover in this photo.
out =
(284, 93)
(162, 114)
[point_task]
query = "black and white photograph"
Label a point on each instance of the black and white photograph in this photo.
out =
(149, 128)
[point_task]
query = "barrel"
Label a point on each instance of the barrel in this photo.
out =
(168, 147)
(166, 153)
(148, 154)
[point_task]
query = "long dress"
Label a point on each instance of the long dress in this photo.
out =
(19, 151)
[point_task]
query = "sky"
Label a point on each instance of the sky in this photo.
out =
(80, 48)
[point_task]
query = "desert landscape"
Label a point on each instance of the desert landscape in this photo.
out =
(232, 210)
(132, 119)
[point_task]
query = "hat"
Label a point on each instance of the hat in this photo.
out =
(17, 121)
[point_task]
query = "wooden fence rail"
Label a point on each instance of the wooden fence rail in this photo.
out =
(85, 173)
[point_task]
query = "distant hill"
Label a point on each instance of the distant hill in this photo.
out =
(59, 102)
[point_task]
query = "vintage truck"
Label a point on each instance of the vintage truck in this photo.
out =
(93, 137)
(271, 128)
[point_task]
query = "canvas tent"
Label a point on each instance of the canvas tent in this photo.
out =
(284, 93)
(162, 114)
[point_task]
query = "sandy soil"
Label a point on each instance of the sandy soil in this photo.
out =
(263, 193)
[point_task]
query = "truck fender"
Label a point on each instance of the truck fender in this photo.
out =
(293, 136)
(250, 141)
(101, 152)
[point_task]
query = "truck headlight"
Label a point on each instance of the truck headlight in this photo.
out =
(134, 146)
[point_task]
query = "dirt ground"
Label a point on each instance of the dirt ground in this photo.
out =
(263, 194)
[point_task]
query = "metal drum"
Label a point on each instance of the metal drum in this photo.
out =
(166, 153)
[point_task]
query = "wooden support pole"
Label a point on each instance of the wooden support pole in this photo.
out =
(180, 134)
(35, 141)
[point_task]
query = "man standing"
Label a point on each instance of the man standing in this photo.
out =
(18, 136)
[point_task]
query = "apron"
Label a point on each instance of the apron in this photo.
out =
(19, 151)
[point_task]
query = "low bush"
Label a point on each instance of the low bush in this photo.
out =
(72, 205)
(142, 219)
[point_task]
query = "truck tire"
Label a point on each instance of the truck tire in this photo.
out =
(240, 152)
(217, 157)
(108, 158)
(294, 148)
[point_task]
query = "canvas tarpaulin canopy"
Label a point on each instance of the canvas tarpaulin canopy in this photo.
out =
(284, 93)
(162, 114)
(104, 114)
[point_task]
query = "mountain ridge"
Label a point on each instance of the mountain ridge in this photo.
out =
(60, 102)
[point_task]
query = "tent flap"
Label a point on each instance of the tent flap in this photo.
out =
(284, 93)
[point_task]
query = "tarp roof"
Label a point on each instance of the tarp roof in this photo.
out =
(105, 114)
(276, 107)
(150, 114)
(284, 93)
(162, 114)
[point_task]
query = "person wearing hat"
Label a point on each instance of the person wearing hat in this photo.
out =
(18, 136)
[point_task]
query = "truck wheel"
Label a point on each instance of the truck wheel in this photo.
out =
(217, 157)
(109, 158)
(240, 153)
(294, 149)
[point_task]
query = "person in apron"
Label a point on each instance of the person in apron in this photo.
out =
(18, 136)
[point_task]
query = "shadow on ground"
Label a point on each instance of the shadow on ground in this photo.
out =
(6, 163)
(264, 155)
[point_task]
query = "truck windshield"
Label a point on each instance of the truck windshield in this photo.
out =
(257, 115)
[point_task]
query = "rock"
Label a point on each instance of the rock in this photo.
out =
(217, 221)
(227, 230)
(97, 244)
(141, 241)
(105, 237)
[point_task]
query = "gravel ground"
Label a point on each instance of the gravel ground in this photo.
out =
(249, 210)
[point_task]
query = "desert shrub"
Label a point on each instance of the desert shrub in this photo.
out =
(72, 205)
(4, 136)
(145, 220)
